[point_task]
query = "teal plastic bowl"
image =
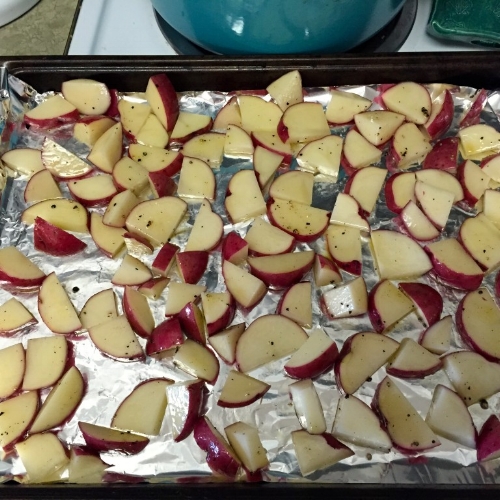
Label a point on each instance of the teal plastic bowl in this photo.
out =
(277, 26)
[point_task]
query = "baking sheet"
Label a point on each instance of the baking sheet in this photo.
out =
(393, 468)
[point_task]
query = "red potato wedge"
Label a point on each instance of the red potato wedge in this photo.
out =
(268, 338)
(185, 402)
(103, 439)
(360, 357)
(19, 270)
(234, 248)
(437, 338)
(25, 161)
(477, 318)
(167, 335)
(317, 452)
(162, 98)
(61, 163)
(221, 458)
(314, 357)
(473, 377)
(441, 117)
(136, 309)
(241, 390)
(89, 97)
(19, 413)
(40, 187)
(13, 363)
(344, 246)
(427, 300)
(150, 394)
(51, 113)
(449, 417)
(411, 360)
(473, 112)
(443, 155)
(408, 431)
(453, 265)
(488, 441)
(54, 241)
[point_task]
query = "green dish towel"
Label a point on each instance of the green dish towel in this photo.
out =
(469, 21)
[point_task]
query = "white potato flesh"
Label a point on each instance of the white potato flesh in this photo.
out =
(293, 185)
(108, 238)
(479, 141)
(180, 294)
(133, 114)
(61, 401)
(90, 97)
(435, 202)
(208, 147)
(390, 304)
(317, 452)
(241, 390)
(258, 114)
(143, 409)
(56, 308)
(12, 367)
(107, 150)
(25, 161)
(359, 152)
(246, 289)
(473, 377)
(307, 406)
(41, 186)
(305, 122)
(246, 443)
(266, 239)
(368, 351)
(366, 186)
(286, 90)
(347, 300)
(116, 339)
(344, 106)
(43, 456)
(356, 423)
(449, 417)
(207, 229)
(411, 100)
(131, 272)
(197, 181)
(17, 414)
(322, 156)
(346, 212)
(197, 360)
(46, 359)
(378, 126)
(245, 200)
(157, 220)
(268, 338)
(417, 223)
(14, 315)
(407, 429)
(238, 142)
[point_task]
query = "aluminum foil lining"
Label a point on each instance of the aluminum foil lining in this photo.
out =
(110, 381)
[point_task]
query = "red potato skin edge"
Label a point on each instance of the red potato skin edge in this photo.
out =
(287, 159)
(218, 458)
(323, 363)
(425, 298)
(100, 445)
(196, 392)
(473, 114)
(246, 402)
(390, 200)
(132, 319)
(488, 440)
(282, 280)
(224, 321)
(443, 119)
(168, 97)
(298, 237)
(373, 314)
(469, 198)
(452, 278)
(55, 122)
(167, 335)
(385, 424)
(187, 320)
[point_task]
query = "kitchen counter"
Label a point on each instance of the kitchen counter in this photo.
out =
(43, 30)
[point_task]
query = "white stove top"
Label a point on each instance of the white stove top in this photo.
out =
(107, 27)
